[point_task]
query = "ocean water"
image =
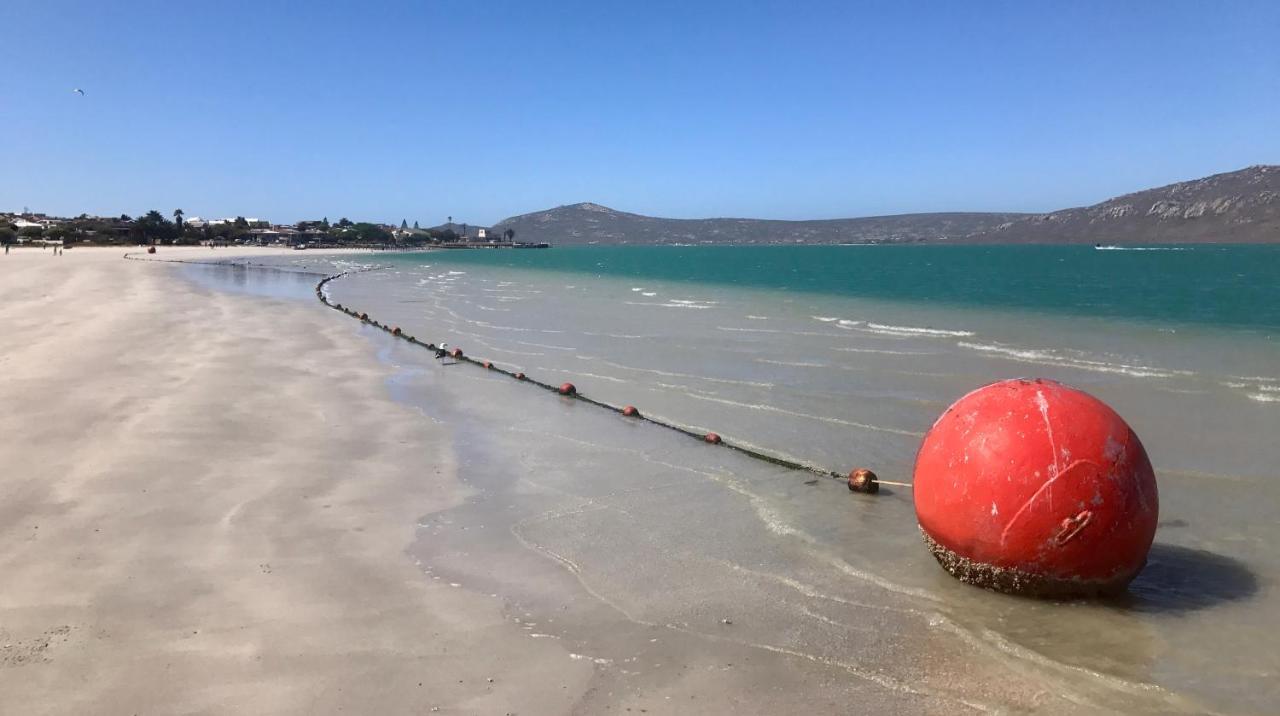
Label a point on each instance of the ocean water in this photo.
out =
(606, 533)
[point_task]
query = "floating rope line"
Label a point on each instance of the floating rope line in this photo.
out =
(859, 480)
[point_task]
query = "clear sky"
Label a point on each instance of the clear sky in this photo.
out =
(480, 110)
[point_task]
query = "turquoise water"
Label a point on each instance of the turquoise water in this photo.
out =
(1224, 286)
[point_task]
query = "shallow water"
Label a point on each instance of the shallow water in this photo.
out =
(606, 533)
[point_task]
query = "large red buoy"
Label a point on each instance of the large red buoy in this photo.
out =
(567, 389)
(1033, 487)
(631, 412)
(712, 438)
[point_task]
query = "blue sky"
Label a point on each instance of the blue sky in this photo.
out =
(480, 110)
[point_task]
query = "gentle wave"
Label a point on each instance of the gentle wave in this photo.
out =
(748, 330)
(886, 329)
(616, 335)
(668, 304)
(496, 327)
(797, 364)
(917, 331)
(809, 416)
(671, 374)
(884, 351)
(1140, 248)
(1049, 357)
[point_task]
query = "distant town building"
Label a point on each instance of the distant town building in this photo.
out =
(253, 223)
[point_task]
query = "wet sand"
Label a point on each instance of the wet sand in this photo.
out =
(205, 503)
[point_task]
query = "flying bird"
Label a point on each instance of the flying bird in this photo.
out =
(78, 91)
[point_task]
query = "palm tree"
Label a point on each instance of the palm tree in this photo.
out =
(177, 216)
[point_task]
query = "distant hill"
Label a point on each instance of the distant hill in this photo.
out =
(1241, 206)
(592, 223)
(1236, 207)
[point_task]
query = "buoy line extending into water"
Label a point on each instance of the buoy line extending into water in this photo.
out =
(859, 480)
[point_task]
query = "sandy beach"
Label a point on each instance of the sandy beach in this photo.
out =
(206, 501)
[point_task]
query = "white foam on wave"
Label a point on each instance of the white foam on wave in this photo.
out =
(757, 318)
(735, 329)
(627, 336)
(668, 304)
(1051, 358)
(916, 331)
(796, 364)
(648, 294)
(825, 319)
(1141, 248)
(1265, 397)
(637, 288)
(506, 289)
(884, 351)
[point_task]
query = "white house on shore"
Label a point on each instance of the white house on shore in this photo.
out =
(199, 223)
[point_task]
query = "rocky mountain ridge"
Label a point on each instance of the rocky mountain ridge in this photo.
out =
(1234, 207)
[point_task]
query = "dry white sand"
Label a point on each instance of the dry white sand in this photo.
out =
(205, 501)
